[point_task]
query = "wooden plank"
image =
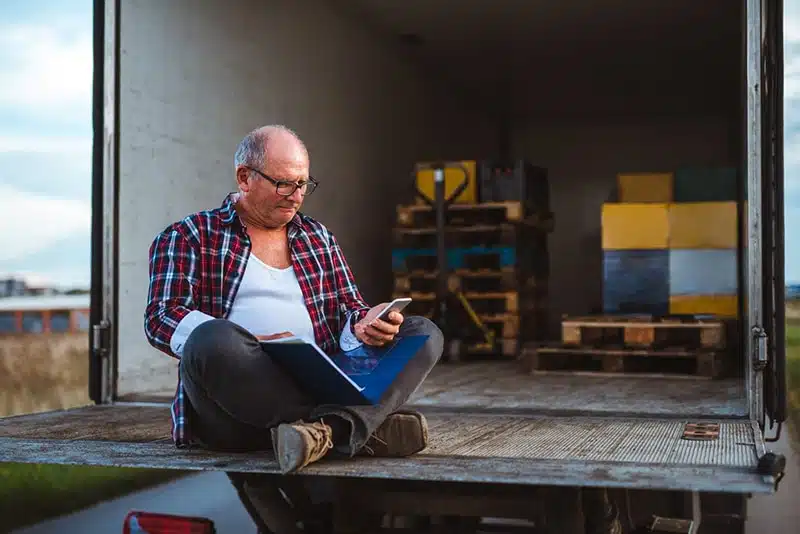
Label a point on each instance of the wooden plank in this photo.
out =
(500, 302)
(644, 331)
(422, 215)
(484, 280)
(457, 236)
(704, 364)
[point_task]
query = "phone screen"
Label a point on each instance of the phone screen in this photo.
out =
(395, 305)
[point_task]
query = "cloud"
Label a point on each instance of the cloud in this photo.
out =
(47, 69)
(46, 63)
(73, 146)
(33, 222)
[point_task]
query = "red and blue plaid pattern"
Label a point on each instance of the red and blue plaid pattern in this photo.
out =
(198, 263)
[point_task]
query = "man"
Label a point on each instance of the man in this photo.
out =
(257, 268)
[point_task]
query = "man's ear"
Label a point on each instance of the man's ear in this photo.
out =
(242, 178)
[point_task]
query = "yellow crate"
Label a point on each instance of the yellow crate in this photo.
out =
(645, 187)
(719, 305)
(452, 179)
(703, 225)
(635, 226)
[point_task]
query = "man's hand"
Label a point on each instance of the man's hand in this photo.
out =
(372, 331)
(269, 337)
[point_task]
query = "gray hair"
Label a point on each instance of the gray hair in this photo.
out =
(251, 151)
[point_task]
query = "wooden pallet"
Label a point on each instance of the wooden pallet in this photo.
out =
(644, 331)
(703, 363)
(486, 280)
(422, 215)
(468, 258)
(458, 236)
(482, 303)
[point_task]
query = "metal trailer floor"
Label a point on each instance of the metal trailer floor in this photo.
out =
(500, 386)
(503, 449)
(488, 423)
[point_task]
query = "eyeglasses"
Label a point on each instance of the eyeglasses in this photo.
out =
(286, 188)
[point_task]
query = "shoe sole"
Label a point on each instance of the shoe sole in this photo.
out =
(403, 429)
(289, 448)
(423, 424)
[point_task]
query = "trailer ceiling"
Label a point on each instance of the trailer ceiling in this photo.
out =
(575, 56)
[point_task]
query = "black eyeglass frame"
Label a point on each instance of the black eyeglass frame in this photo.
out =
(310, 184)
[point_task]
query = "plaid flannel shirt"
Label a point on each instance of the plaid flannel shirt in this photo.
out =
(198, 263)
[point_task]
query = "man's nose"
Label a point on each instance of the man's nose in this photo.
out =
(297, 196)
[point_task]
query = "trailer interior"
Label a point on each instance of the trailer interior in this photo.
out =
(585, 89)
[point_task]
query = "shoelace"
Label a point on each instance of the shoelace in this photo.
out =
(321, 436)
(369, 450)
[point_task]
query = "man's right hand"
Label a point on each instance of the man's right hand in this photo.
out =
(378, 332)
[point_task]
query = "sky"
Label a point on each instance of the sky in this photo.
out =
(45, 139)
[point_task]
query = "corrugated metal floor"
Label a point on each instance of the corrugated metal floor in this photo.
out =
(605, 440)
(501, 385)
(628, 440)
(496, 448)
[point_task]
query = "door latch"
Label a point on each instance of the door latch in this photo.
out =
(759, 348)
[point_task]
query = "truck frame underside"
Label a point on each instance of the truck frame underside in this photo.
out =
(475, 436)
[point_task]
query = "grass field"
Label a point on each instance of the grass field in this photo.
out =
(43, 372)
(49, 372)
(793, 361)
(31, 493)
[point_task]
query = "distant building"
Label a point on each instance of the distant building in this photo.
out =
(44, 314)
(792, 291)
(18, 284)
(12, 287)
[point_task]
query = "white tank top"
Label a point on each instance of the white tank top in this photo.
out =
(269, 301)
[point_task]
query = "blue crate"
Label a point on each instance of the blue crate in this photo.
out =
(636, 281)
(695, 272)
(455, 256)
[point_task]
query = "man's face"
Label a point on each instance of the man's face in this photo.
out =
(287, 162)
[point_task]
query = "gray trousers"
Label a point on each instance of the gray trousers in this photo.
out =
(237, 393)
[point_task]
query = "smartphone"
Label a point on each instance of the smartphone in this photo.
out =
(396, 305)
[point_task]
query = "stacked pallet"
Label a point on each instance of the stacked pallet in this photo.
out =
(670, 244)
(496, 260)
(669, 281)
(636, 344)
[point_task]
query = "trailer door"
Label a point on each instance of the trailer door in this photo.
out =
(772, 207)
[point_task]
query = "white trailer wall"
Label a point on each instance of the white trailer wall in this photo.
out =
(197, 75)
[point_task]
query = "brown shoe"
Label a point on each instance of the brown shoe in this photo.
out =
(403, 433)
(298, 444)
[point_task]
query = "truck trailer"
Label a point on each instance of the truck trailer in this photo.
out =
(586, 89)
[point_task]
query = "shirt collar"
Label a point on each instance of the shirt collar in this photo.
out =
(229, 214)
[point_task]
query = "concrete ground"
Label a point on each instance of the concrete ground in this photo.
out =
(779, 513)
(208, 495)
(211, 495)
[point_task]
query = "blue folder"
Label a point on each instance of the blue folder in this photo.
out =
(357, 377)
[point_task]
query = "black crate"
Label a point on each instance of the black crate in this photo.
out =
(514, 180)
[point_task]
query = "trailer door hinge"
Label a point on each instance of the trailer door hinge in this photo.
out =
(759, 348)
(101, 338)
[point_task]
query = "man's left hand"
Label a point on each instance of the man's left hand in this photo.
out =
(372, 331)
